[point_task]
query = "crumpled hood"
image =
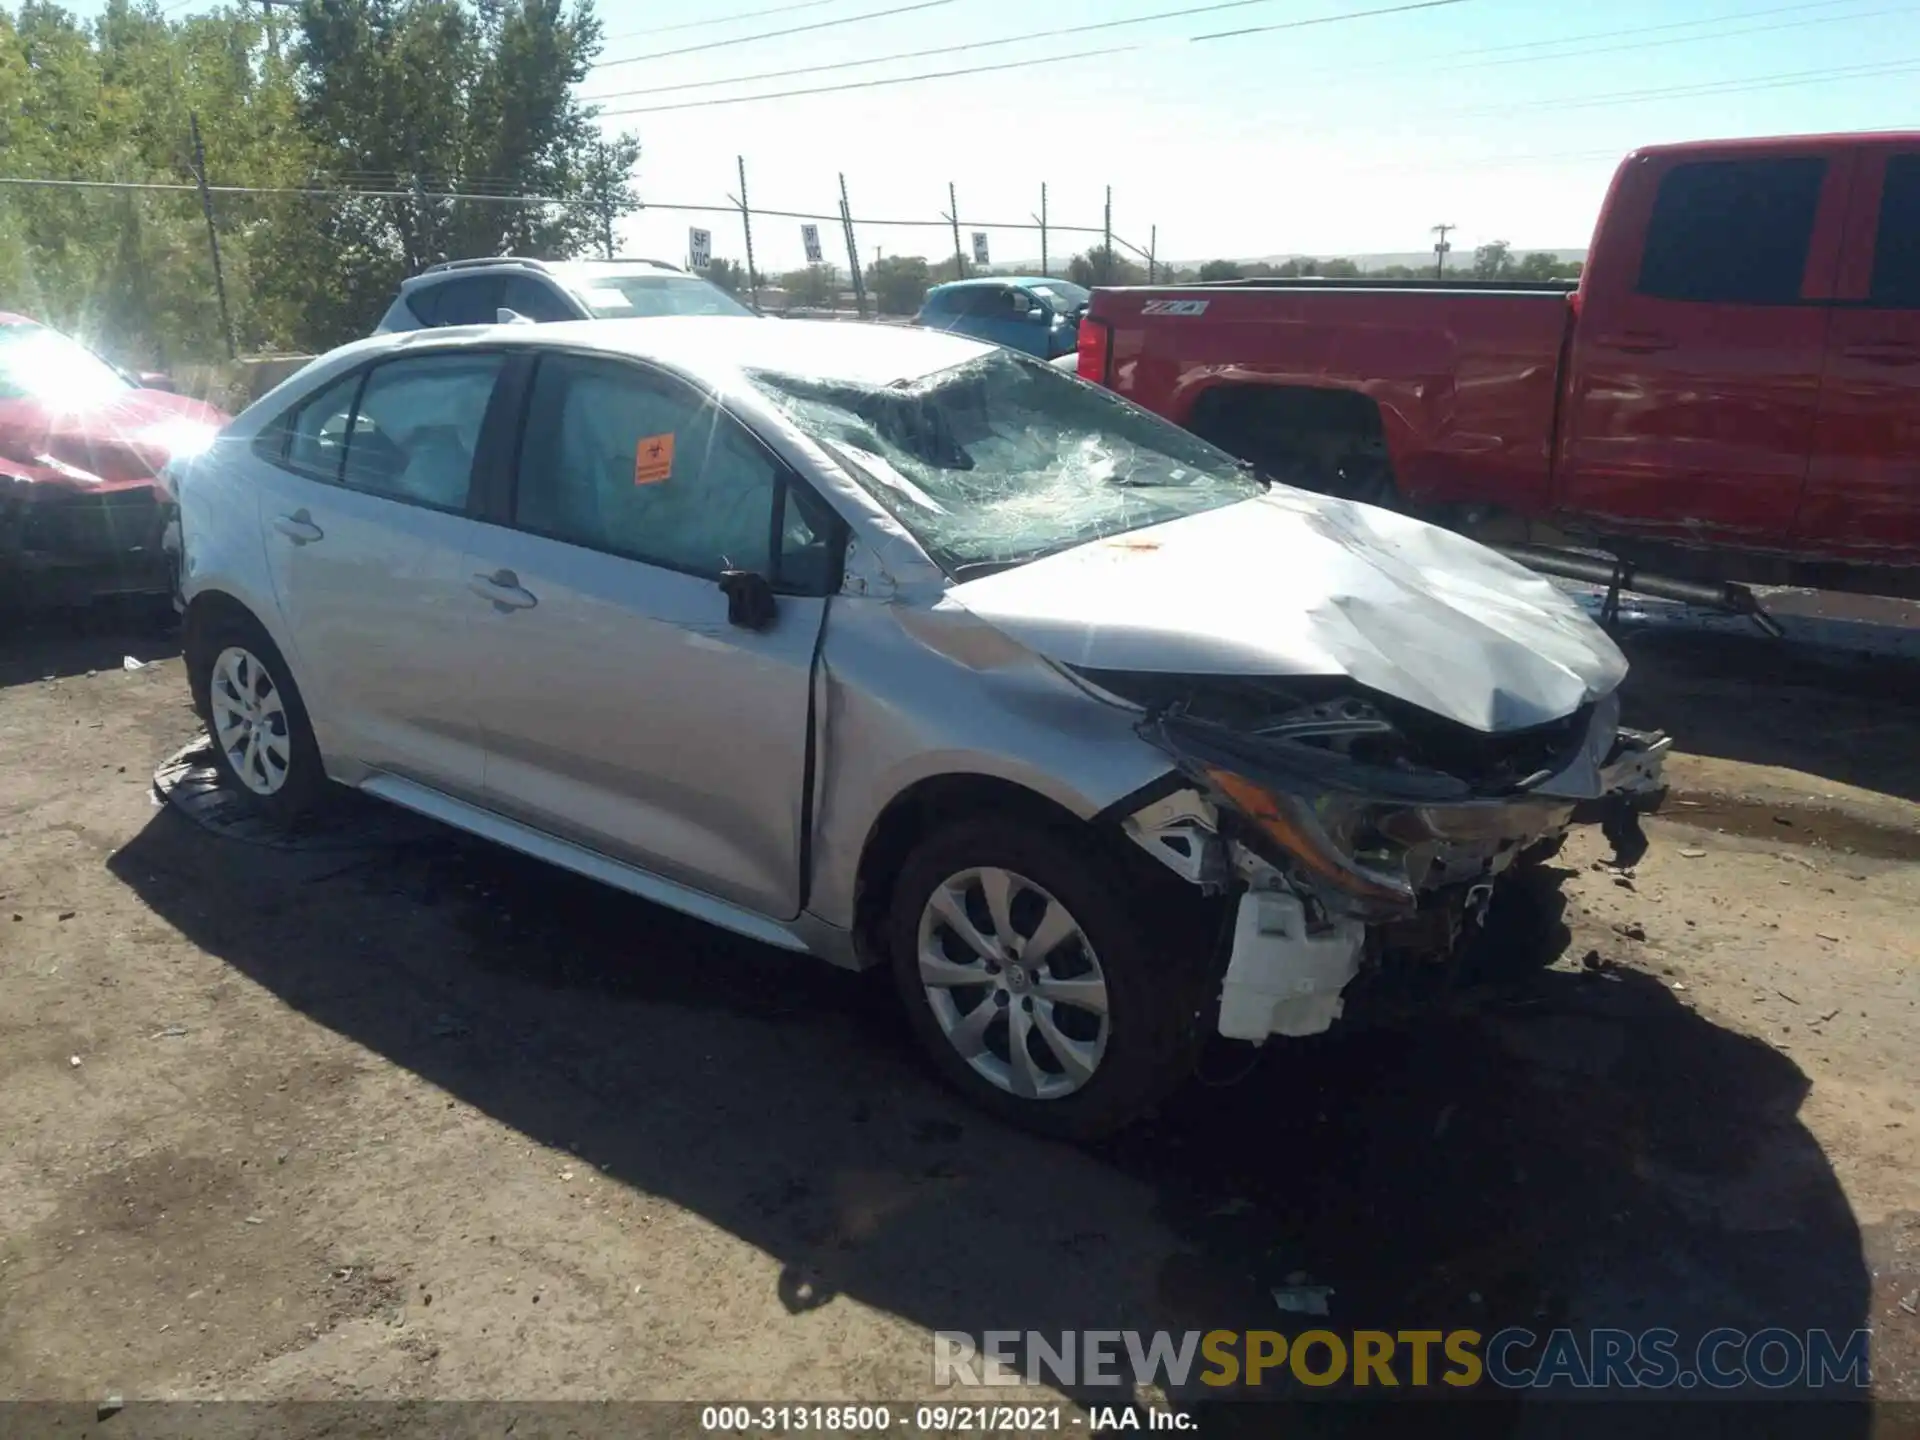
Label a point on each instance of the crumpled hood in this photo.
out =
(1290, 583)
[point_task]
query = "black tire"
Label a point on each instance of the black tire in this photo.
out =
(1152, 986)
(304, 786)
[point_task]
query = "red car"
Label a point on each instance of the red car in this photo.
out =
(82, 444)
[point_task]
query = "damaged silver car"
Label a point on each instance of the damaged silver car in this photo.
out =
(899, 649)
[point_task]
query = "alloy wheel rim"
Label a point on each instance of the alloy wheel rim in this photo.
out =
(1013, 983)
(250, 721)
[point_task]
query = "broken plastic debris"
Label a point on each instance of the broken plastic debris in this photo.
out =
(74, 1060)
(1692, 854)
(127, 662)
(1302, 1299)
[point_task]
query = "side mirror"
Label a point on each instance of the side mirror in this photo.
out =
(1039, 314)
(750, 600)
(155, 380)
(512, 317)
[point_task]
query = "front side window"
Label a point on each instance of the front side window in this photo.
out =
(41, 364)
(1732, 231)
(1896, 250)
(624, 460)
(1002, 459)
(417, 426)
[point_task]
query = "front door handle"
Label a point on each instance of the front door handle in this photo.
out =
(299, 528)
(1636, 342)
(504, 589)
(1884, 352)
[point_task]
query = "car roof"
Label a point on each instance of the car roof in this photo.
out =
(717, 347)
(8, 317)
(1001, 280)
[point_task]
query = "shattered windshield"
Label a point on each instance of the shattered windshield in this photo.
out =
(1002, 460)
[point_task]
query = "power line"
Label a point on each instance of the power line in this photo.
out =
(1054, 34)
(1020, 64)
(771, 34)
(1713, 87)
(715, 20)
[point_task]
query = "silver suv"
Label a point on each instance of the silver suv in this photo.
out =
(487, 291)
(900, 649)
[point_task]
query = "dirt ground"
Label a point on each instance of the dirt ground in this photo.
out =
(404, 1116)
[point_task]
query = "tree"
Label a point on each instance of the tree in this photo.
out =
(816, 288)
(898, 283)
(1544, 265)
(1099, 266)
(729, 275)
(1493, 261)
(1221, 270)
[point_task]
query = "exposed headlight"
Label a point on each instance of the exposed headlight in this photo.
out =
(1333, 836)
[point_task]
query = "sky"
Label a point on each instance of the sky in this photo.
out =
(1306, 127)
(1503, 117)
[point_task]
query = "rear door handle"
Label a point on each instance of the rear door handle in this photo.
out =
(1884, 352)
(504, 589)
(1637, 342)
(299, 528)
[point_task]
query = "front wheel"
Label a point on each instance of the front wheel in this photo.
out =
(263, 744)
(1033, 984)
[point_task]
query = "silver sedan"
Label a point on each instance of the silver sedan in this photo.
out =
(899, 649)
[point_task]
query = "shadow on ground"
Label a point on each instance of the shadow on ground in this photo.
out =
(55, 644)
(1587, 1152)
(1838, 697)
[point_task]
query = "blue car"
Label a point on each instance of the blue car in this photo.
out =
(1036, 315)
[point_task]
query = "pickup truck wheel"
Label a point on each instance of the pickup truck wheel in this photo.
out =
(263, 745)
(1033, 984)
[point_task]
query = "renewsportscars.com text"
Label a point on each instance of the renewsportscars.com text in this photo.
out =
(1510, 1359)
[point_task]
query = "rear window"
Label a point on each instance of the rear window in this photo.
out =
(1732, 231)
(623, 297)
(1896, 249)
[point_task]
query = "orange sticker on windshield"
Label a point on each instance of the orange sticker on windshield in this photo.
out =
(653, 459)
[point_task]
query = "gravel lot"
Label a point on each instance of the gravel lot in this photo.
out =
(405, 1116)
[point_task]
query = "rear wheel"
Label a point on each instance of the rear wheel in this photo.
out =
(262, 741)
(1031, 982)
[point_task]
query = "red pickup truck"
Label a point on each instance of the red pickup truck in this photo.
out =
(1731, 393)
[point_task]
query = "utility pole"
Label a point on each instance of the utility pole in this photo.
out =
(273, 30)
(1106, 255)
(953, 214)
(853, 252)
(746, 226)
(1042, 218)
(1440, 249)
(1153, 248)
(213, 235)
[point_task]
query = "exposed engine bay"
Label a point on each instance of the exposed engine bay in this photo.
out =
(1359, 833)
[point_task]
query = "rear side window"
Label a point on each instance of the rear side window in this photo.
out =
(312, 437)
(424, 302)
(1732, 231)
(417, 426)
(1896, 249)
(474, 300)
(537, 300)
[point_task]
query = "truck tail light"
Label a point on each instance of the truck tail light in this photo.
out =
(1095, 342)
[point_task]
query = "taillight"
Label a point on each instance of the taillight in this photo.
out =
(1095, 342)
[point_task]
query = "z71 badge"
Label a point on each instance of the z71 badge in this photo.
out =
(1174, 307)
